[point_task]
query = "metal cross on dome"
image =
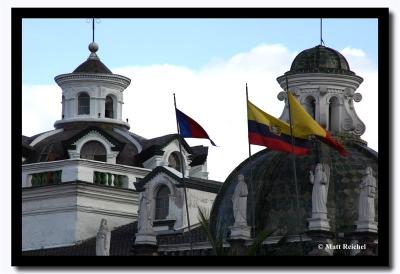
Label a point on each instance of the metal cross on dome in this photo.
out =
(97, 20)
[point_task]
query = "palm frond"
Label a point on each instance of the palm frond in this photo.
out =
(257, 242)
(216, 244)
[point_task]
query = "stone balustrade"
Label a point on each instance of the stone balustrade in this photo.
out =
(109, 179)
(46, 178)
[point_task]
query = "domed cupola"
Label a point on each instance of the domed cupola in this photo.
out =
(320, 59)
(92, 93)
(322, 81)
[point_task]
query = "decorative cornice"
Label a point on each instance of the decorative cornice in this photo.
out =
(115, 79)
(352, 81)
(79, 189)
(77, 208)
(90, 131)
(60, 123)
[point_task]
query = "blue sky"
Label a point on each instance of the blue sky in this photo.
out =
(205, 62)
(55, 46)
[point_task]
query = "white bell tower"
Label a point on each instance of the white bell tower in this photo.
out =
(322, 81)
(92, 93)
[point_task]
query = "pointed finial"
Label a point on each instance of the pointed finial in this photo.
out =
(93, 46)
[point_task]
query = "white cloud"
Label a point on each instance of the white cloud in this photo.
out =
(41, 107)
(358, 61)
(367, 109)
(349, 51)
(214, 96)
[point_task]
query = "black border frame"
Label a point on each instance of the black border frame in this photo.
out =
(384, 134)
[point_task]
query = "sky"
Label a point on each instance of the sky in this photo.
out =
(205, 62)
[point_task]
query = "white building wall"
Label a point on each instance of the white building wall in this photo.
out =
(48, 217)
(62, 215)
(43, 230)
(118, 207)
(197, 199)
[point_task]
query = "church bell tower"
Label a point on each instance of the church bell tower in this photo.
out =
(322, 81)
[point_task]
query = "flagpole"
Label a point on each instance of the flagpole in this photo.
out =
(183, 181)
(251, 167)
(293, 160)
(247, 105)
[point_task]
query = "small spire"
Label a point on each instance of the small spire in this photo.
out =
(322, 43)
(93, 46)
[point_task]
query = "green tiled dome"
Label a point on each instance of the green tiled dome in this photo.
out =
(320, 59)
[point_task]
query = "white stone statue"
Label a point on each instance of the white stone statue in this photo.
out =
(239, 201)
(103, 239)
(320, 190)
(145, 221)
(366, 203)
(145, 234)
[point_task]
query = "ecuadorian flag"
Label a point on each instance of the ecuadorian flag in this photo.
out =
(266, 130)
(304, 125)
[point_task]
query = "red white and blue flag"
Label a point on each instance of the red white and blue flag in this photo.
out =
(189, 128)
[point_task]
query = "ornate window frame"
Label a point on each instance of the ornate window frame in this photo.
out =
(94, 135)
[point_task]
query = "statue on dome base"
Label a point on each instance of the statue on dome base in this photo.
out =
(320, 181)
(366, 204)
(240, 229)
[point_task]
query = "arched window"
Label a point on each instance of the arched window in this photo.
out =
(94, 150)
(310, 106)
(334, 113)
(109, 107)
(83, 104)
(162, 203)
(174, 161)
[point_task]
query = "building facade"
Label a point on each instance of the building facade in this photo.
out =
(86, 168)
(91, 168)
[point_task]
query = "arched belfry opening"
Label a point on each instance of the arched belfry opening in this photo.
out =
(334, 114)
(309, 105)
(109, 107)
(83, 104)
